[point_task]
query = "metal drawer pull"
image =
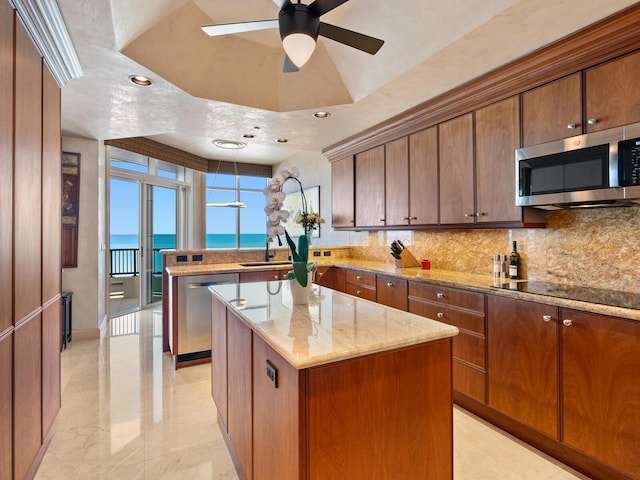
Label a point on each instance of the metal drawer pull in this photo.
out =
(546, 318)
(276, 276)
(358, 292)
(440, 295)
(592, 121)
(567, 322)
(440, 315)
(389, 284)
(571, 126)
(358, 277)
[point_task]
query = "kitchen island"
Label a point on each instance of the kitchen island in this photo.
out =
(340, 388)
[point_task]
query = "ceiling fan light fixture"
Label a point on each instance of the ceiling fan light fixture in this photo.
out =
(299, 47)
(298, 31)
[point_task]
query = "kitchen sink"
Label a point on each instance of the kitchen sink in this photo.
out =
(264, 264)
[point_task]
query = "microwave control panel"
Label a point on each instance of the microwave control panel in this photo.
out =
(629, 162)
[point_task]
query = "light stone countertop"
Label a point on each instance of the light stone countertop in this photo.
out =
(333, 327)
(447, 278)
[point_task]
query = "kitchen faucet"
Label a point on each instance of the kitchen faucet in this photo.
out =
(267, 255)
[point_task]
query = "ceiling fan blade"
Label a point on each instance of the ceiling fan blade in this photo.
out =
(320, 7)
(282, 4)
(289, 66)
(227, 28)
(349, 37)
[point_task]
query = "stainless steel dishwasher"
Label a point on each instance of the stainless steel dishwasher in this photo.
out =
(194, 313)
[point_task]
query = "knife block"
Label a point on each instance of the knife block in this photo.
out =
(406, 260)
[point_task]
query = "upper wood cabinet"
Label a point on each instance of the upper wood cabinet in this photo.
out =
(497, 136)
(612, 96)
(457, 194)
(601, 388)
(370, 188)
(552, 111)
(397, 182)
(342, 193)
(423, 177)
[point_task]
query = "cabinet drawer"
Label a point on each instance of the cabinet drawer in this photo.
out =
(392, 292)
(469, 380)
(470, 348)
(361, 278)
(448, 296)
(367, 293)
(473, 322)
(263, 276)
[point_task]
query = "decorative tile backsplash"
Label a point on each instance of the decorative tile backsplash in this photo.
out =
(597, 248)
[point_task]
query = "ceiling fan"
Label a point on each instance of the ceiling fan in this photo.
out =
(300, 26)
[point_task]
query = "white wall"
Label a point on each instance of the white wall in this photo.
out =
(87, 281)
(315, 169)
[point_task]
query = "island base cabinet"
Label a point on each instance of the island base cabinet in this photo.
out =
(382, 416)
(601, 388)
(277, 412)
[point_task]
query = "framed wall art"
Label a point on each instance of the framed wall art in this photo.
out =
(70, 208)
(293, 204)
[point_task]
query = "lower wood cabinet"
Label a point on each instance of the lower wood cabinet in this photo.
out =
(239, 391)
(465, 310)
(27, 412)
(601, 388)
(219, 359)
(263, 275)
(331, 277)
(361, 284)
(523, 361)
(6, 405)
(391, 291)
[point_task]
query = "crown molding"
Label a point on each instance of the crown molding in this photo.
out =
(43, 21)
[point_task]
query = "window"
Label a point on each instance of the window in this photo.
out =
(233, 227)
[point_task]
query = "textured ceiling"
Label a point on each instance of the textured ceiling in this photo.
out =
(224, 87)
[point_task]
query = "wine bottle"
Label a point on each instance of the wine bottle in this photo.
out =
(514, 263)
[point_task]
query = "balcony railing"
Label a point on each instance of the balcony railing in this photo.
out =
(124, 262)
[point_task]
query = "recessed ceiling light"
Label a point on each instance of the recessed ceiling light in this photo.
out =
(140, 80)
(321, 114)
(228, 144)
(248, 135)
(282, 140)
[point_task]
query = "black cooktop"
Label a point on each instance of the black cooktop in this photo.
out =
(612, 298)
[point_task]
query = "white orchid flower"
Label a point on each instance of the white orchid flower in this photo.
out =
(279, 216)
(295, 172)
(276, 182)
(275, 230)
(275, 199)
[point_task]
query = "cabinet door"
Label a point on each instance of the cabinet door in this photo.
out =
(397, 182)
(239, 390)
(277, 417)
(457, 195)
(552, 111)
(612, 96)
(6, 167)
(342, 193)
(219, 358)
(392, 292)
(332, 277)
(27, 246)
(497, 137)
(6, 403)
(27, 390)
(523, 361)
(370, 208)
(51, 345)
(423, 177)
(601, 388)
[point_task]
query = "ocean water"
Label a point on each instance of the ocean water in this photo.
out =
(215, 240)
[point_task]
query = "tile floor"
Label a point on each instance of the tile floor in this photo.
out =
(127, 415)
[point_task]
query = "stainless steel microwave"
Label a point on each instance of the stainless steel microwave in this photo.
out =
(596, 169)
